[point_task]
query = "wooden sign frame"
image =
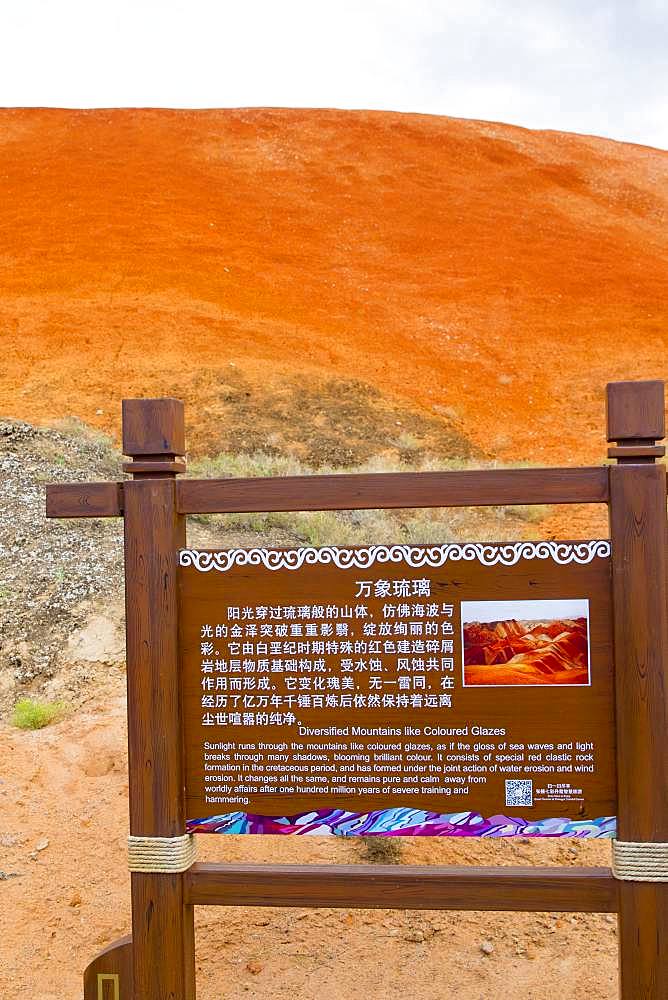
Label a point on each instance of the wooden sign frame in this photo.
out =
(158, 961)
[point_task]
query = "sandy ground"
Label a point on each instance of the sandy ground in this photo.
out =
(65, 895)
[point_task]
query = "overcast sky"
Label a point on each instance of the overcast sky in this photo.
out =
(575, 65)
(498, 611)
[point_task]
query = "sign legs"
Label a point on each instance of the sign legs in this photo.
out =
(109, 975)
(639, 535)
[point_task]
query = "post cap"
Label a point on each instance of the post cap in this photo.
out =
(635, 411)
(153, 427)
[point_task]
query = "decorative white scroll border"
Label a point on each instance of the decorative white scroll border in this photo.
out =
(416, 556)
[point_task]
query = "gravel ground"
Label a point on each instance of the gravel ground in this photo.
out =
(61, 581)
(49, 570)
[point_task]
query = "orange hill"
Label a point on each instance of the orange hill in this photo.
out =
(471, 271)
(514, 652)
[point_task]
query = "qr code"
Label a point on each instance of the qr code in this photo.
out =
(519, 792)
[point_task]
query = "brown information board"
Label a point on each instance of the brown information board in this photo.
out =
(452, 690)
(457, 690)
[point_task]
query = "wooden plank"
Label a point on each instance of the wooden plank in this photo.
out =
(418, 887)
(162, 922)
(84, 500)
(640, 572)
(387, 489)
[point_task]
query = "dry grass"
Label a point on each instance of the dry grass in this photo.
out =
(381, 850)
(362, 527)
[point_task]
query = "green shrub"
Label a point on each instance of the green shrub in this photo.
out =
(31, 714)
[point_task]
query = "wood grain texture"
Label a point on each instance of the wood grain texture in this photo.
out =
(639, 572)
(163, 938)
(154, 469)
(84, 500)
(153, 532)
(635, 411)
(388, 489)
(113, 961)
(525, 713)
(417, 887)
(153, 427)
(628, 452)
(162, 923)
(640, 593)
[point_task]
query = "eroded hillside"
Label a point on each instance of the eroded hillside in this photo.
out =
(485, 279)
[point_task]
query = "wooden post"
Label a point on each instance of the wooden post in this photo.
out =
(162, 922)
(640, 592)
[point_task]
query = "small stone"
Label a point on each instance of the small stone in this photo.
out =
(254, 967)
(415, 935)
(486, 947)
(75, 900)
(42, 844)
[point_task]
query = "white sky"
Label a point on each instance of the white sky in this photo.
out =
(498, 611)
(575, 65)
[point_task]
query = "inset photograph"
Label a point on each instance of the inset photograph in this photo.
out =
(525, 642)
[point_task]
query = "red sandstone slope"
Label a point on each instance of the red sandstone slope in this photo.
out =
(502, 273)
(516, 652)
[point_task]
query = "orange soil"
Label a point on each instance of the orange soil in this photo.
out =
(504, 273)
(498, 271)
(63, 803)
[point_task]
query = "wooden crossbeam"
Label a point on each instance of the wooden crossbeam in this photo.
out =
(355, 491)
(382, 490)
(414, 887)
(225, 496)
(84, 500)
